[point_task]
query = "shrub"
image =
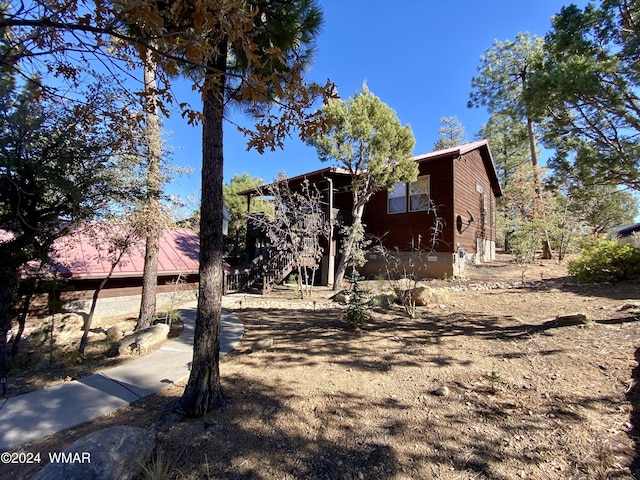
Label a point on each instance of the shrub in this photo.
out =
(357, 314)
(524, 242)
(607, 261)
(170, 316)
(384, 300)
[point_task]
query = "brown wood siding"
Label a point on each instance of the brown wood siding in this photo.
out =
(471, 176)
(402, 230)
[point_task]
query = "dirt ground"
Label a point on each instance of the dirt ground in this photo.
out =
(483, 385)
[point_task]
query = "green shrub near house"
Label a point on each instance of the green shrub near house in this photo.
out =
(607, 261)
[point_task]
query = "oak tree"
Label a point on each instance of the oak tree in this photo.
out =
(113, 238)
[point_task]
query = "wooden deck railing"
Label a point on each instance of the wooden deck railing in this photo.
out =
(262, 274)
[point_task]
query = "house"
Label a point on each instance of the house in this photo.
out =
(455, 193)
(459, 187)
(83, 259)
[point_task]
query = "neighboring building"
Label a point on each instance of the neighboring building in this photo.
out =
(628, 234)
(81, 258)
(461, 183)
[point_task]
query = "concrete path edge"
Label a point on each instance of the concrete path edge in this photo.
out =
(35, 415)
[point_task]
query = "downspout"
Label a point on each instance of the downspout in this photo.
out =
(247, 258)
(456, 258)
(331, 260)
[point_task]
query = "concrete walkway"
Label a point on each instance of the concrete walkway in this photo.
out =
(29, 417)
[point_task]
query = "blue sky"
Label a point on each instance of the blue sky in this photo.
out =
(418, 57)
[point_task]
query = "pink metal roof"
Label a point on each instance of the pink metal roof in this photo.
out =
(85, 254)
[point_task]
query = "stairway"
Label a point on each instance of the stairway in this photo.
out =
(268, 270)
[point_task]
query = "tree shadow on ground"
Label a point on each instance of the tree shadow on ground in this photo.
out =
(633, 396)
(289, 417)
(276, 431)
(262, 433)
(622, 291)
(306, 337)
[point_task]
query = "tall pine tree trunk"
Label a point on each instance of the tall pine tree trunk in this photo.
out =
(537, 182)
(203, 391)
(152, 216)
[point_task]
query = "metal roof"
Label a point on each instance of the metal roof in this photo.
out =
(84, 254)
(626, 230)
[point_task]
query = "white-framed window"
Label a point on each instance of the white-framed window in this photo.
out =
(419, 194)
(397, 199)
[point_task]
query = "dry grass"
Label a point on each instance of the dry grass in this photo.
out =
(525, 399)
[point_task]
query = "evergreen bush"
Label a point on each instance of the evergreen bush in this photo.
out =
(607, 261)
(357, 314)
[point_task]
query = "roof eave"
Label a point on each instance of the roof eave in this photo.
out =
(257, 192)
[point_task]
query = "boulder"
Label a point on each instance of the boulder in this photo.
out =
(147, 338)
(384, 300)
(68, 322)
(420, 296)
(116, 453)
(342, 297)
(96, 337)
(115, 333)
(66, 326)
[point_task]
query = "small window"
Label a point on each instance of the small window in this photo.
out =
(397, 199)
(419, 194)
